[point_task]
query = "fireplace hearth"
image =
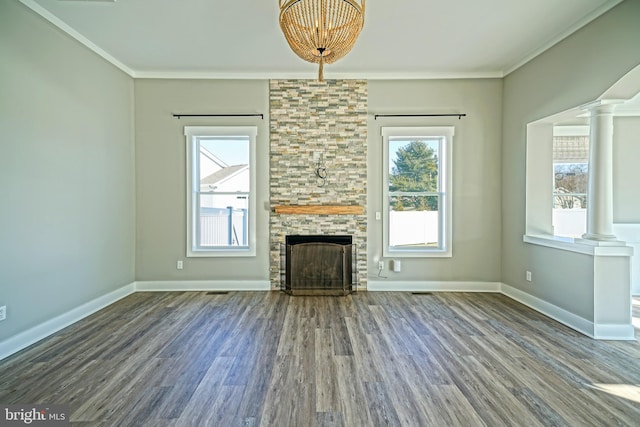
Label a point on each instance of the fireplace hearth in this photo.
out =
(319, 265)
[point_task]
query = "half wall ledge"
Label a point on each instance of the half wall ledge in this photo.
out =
(319, 210)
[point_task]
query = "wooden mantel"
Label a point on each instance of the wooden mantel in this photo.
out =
(319, 210)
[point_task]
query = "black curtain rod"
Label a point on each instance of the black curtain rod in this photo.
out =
(459, 116)
(219, 115)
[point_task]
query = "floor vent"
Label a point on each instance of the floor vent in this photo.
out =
(422, 293)
(217, 293)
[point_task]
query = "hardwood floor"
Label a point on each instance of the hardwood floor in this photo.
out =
(369, 359)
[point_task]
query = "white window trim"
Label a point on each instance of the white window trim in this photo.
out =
(192, 132)
(539, 184)
(446, 221)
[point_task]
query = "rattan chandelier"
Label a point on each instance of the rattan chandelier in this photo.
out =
(321, 31)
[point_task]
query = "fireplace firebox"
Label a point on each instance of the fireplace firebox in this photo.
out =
(319, 265)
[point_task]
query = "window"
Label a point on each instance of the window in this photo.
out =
(570, 176)
(557, 169)
(417, 191)
(220, 190)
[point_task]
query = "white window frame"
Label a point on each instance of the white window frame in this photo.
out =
(445, 231)
(572, 131)
(192, 135)
(539, 184)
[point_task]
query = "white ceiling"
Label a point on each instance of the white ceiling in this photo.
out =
(242, 39)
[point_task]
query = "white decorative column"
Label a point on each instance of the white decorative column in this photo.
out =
(600, 188)
(611, 257)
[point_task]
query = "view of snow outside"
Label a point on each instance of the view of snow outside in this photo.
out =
(570, 199)
(569, 222)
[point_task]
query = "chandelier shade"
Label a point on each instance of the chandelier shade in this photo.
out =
(321, 31)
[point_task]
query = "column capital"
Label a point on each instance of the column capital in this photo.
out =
(602, 105)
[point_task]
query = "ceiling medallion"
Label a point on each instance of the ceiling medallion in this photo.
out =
(321, 31)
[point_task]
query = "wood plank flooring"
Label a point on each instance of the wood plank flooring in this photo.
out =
(368, 359)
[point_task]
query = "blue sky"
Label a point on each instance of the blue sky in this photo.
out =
(230, 151)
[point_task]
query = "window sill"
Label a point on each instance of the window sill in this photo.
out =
(582, 246)
(221, 253)
(416, 254)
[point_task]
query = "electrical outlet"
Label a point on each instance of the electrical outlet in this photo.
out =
(3, 312)
(380, 265)
(528, 276)
(179, 265)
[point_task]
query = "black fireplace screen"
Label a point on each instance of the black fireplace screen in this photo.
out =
(318, 265)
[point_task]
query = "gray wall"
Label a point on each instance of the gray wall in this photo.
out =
(160, 173)
(575, 71)
(626, 173)
(161, 182)
(476, 172)
(66, 172)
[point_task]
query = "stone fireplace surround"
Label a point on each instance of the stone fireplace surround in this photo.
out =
(311, 120)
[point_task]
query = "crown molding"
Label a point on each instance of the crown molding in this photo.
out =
(313, 75)
(268, 75)
(487, 74)
(561, 36)
(31, 4)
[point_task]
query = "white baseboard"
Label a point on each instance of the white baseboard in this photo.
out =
(561, 315)
(614, 332)
(435, 286)
(202, 285)
(597, 331)
(580, 324)
(24, 339)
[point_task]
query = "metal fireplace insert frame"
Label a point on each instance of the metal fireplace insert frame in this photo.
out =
(318, 265)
